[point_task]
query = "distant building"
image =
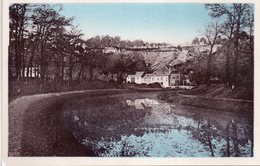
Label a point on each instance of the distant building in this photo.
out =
(110, 50)
(31, 72)
(161, 77)
(175, 79)
(186, 79)
(164, 78)
(147, 78)
(130, 79)
(138, 77)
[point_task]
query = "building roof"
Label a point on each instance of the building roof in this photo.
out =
(175, 72)
(131, 76)
(160, 73)
(147, 76)
(139, 74)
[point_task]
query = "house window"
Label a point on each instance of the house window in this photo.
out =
(161, 78)
(157, 79)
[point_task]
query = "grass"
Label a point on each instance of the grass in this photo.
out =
(219, 91)
(31, 87)
(209, 103)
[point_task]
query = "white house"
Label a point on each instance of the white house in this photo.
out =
(109, 50)
(138, 77)
(160, 77)
(130, 79)
(33, 72)
(165, 78)
(147, 78)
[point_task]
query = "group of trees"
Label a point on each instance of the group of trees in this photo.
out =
(38, 35)
(233, 28)
(237, 27)
(196, 40)
(45, 42)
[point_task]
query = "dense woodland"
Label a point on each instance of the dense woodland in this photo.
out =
(42, 38)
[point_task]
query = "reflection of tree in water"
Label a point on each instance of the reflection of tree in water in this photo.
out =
(226, 140)
(102, 119)
(204, 133)
(104, 125)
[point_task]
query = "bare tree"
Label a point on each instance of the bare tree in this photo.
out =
(250, 24)
(74, 39)
(17, 14)
(211, 33)
(47, 22)
(227, 30)
(238, 12)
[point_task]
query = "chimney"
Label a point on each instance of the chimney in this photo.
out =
(169, 69)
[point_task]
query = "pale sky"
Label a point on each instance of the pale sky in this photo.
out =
(175, 23)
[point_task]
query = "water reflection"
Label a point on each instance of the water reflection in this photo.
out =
(131, 126)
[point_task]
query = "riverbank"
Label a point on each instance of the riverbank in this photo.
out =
(38, 125)
(220, 91)
(48, 136)
(32, 87)
(214, 97)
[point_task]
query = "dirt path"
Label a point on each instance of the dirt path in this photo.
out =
(36, 129)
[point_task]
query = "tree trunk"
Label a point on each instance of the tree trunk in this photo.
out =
(21, 49)
(209, 65)
(71, 65)
(80, 71)
(28, 68)
(112, 76)
(227, 67)
(90, 73)
(42, 66)
(209, 140)
(228, 141)
(236, 44)
(9, 52)
(17, 59)
(251, 42)
(62, 70)
(70, 72)
(235, 139)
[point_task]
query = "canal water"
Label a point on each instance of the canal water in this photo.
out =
(142, 125)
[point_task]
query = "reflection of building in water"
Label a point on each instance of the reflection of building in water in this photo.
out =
(142, 103)
(162, 114)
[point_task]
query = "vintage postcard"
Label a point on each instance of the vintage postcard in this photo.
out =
(129, 83)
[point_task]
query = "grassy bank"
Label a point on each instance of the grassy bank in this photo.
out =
(31, 87)
(212, 104)
(207, 98)
(220, 91)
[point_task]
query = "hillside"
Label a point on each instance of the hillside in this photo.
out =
(161, 57)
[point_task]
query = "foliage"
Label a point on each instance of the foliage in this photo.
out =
(44, 40)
